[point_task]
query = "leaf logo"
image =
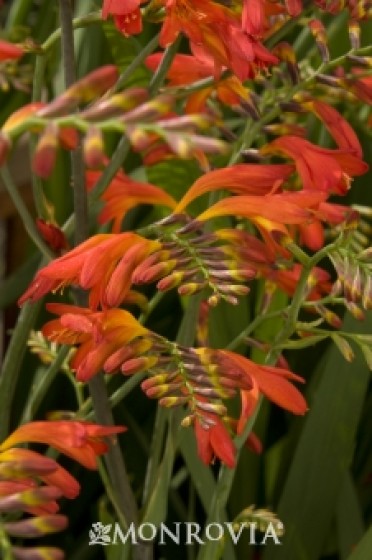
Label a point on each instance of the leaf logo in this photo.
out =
(99, 534)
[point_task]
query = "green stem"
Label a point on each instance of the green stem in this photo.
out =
(162, 70)
(97, 387)
(42, 384)
(115, 398)
(126, 75)
(5, 545)
(27, 220)
(12, 363)
(37, 184)
(77, 23)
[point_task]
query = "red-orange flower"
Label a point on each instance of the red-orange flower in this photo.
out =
(99, 334)
(319, 168)
(214, 441)
(82, 441)
(215, 29)
(186, 69)
(9, 51)
(243, 179)
(338, 127)
(126, 14)
(124, 193)
(273, 382)
(103, 264)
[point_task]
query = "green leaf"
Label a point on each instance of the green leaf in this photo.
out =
(174, 176)
(123, 51)
(364, 547)
(322, 457)
(349, 518)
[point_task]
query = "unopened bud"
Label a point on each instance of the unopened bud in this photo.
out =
(191, 288)
(29, 498)
(37, 553)
(137, 365)
(354, 34)
(344, 347)
(319, 33)
(286, 53)
(5, 145)
(169, 402)
(215, 408)
(52, 235)
(36, 526)
(355, 311)
(116, 105)
(46, 151)
(93, 148)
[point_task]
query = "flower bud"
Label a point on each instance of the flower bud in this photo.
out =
(319, 33)
(93, 148)
(37, 553)
(36, 526)
(52, 235)
(46, 151)
(137, 365)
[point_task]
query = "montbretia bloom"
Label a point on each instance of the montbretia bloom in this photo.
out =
(125, 193)
(320, 169)
(337, 126)
(99, 334)
(242, 179)
(126, 15)
(10, 51)
(217, 31)
(82, 441)
(186, 69)
(103, 264)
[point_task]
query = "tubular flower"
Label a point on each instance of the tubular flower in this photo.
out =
(270, 213)
(82, 441)
(186, 69)
(124, 193)
(243, 179)
(216, 30)
(320, 169)
(9, 51)
(103, 264)
(337, 126)
(126, 14)
(99, 334)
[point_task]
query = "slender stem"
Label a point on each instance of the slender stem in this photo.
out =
(37, 184)
(115, 398)
(78, 180)
(12, 362)
(162, 70)
(27, 219)
(148, 49)
(42, 384)
(97, 387)
(77, 23)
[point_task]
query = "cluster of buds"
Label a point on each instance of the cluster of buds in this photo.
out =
(146, 123)
(192, 259)
(354, 278)
(201, 379)
(32, 483)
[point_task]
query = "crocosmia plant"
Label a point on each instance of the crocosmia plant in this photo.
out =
(185, 271)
